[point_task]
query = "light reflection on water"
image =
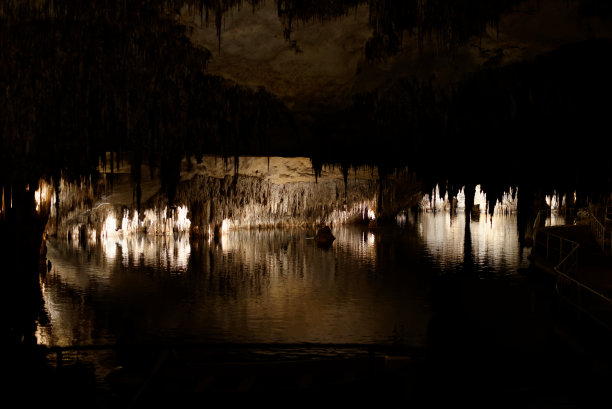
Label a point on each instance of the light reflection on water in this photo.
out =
(141, 249)
(494, 241)
(371, 286)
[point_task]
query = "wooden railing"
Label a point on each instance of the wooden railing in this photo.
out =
(562, 254)
(598, 228)
(536, 225)
(591, 302)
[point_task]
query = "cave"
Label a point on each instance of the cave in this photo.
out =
(189, 120)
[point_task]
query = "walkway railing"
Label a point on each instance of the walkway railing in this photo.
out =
(591, 302)
(562, 253)
(599, 230)
(536, 226)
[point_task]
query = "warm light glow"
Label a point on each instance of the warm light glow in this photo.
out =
(38, 200)
(508, 204)
(494, 242)
(225, 225)
(139, 248)
(363, 249)
(365, 209)
(182, 223)
(42, 194)
(93, 236)
(371, 239)
(109, 227)
(155, 223)
(74, 234)
(554, 219)
(552, 201)
(437, 203)
(109, 247)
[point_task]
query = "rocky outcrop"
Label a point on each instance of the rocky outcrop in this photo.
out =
(248, 192)
(286, 193)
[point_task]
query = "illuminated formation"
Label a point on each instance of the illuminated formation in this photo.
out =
(213, 198)
(436, 203)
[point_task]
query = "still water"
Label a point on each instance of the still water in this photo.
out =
(276, 286)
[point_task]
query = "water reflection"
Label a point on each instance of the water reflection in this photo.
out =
(249, 286)
(493, 241)
(172, 252)
(370, 286)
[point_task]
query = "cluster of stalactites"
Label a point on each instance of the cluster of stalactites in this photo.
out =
(156, 222)
(109, 223)
(248, 201)
(437, 201)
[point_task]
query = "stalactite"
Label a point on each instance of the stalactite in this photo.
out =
(469, 200)
(236, 170)
(136, 172)
(56, 182)
(345, 170)
(451, 200)
(112, 169)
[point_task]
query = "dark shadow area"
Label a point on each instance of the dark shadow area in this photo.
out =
(494, 345)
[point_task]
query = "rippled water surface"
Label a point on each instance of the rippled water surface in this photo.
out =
(370, 286)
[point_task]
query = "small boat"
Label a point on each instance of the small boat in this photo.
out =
(324, 237)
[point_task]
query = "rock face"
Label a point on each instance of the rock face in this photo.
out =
(284, 193)
(247, 201)
(318, 63)
(249, 192)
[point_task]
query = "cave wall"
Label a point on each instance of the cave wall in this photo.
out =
(245, 192)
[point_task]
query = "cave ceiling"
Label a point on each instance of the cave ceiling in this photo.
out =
(322, 65)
